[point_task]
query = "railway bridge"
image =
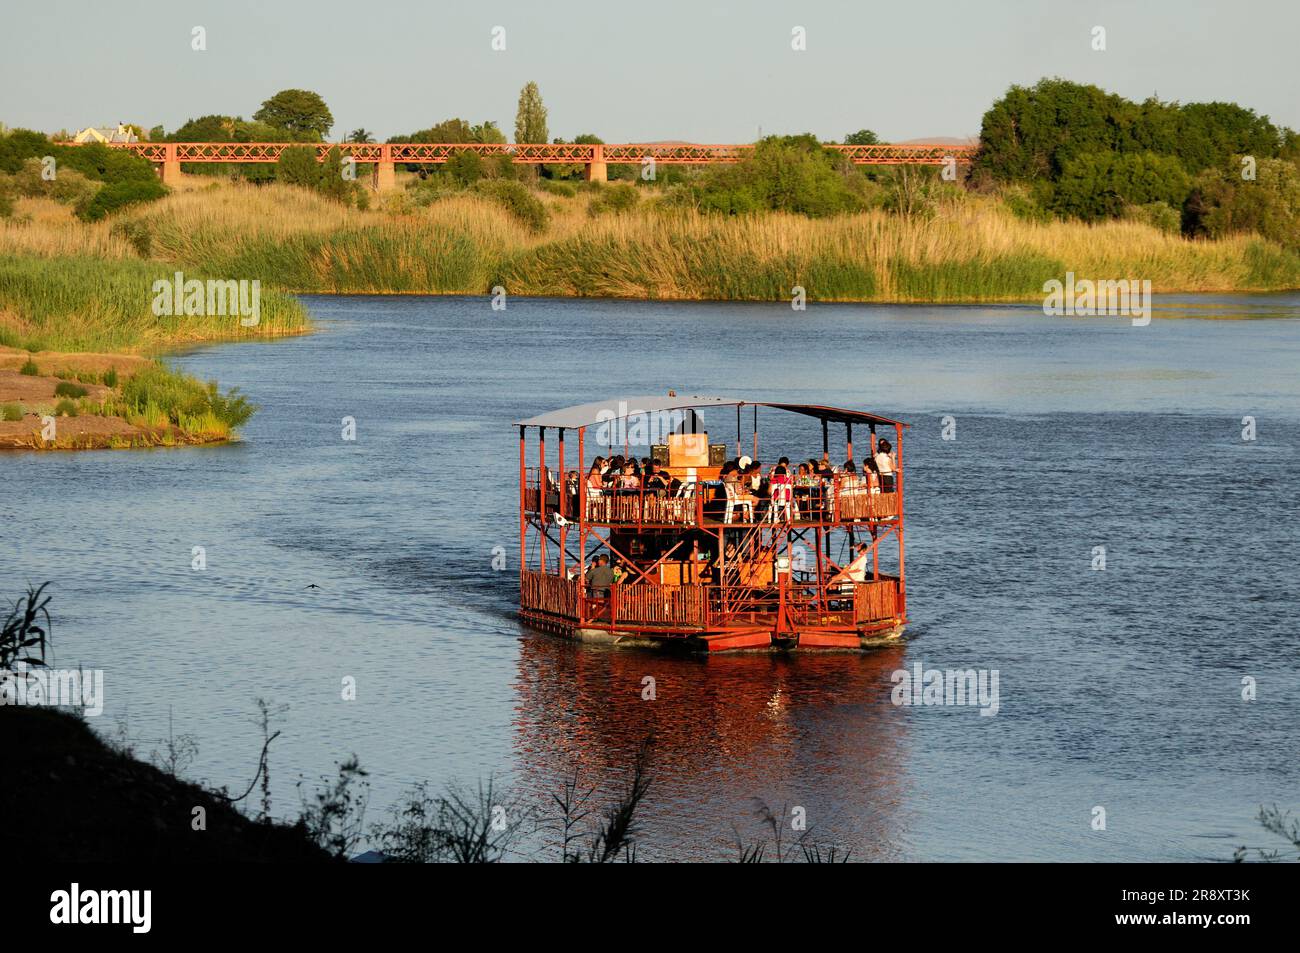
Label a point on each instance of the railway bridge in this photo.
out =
(595, 158)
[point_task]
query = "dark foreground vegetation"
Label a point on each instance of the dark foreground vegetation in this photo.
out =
(81, 797)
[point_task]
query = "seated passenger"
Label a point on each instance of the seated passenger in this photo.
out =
(854, 572)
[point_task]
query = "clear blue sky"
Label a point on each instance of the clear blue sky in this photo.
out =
(703, 70)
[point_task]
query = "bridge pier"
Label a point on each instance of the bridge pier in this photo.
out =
(596, 170)
(170, 170)
(385, 176)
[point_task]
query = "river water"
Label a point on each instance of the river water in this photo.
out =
(1119, 689)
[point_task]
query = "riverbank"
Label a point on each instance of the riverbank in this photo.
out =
(71, 288)
(421, 241)
(53, 400)
(80, 800)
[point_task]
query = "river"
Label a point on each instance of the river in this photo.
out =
(1120, 689)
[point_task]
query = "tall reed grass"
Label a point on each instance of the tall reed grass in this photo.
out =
(68, 285)
(970, 250)
(86, 303)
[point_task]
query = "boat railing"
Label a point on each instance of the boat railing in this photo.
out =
(699, 504)
(701, 606)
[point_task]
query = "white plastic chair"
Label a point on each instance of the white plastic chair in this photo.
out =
(782, 502)
(734, 500)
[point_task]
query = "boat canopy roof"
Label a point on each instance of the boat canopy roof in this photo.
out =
(584, 415)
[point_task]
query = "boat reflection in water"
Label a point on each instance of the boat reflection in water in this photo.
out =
(731, 733)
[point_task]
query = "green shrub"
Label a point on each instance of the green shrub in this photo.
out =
(137, 232)
(118, 195)
(110, 377)
(297, 165)
(65, 408)
(11, 412)
(67, 186)
(29, 368)
(1099, 185)
(1025, 205)
(1222, 202)
(178, 396)
(464, 167)
(563, 189)
(1159, 215)
(69, 389)
(525, 207)
(617, 199)
(784, 173)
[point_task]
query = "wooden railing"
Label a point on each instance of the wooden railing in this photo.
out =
(875, 600)
(612, 507)
(647, 603)
(853, 505)
(547, 593)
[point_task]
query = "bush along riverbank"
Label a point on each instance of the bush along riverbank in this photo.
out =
(82, 401)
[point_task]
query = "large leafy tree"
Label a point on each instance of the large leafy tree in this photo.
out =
(530, 118)
(863, 137)
(784, 173)
(300, 112)
(1098, 185)
(1034, 132)
(457, 131)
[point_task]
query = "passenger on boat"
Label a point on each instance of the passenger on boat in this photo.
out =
(628, 480)
(737, 488)
(854, 572)
(600, 577)
(656, 480)
(850, 483)
(871, 474)
(885, 464)
(595, 479)
(781, 493)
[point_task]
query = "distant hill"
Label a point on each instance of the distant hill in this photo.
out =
(940, 141)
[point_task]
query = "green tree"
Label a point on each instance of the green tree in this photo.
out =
(785, 173)
(297, 165)
(1032, 133)
(1099, 185)
(300, 112)
(530, 118)
(1222, 202)
(486, 132)
(464, 166)
(330, 180)
(360, 135)
(863, 137)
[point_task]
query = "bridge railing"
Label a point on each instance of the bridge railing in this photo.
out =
(432, 153)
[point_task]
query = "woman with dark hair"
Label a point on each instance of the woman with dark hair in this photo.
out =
(885, 464)
(871, 473)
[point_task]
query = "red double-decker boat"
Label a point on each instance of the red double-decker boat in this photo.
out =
(692, 545)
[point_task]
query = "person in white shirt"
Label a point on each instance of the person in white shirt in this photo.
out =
(854, 572)
(884, 458)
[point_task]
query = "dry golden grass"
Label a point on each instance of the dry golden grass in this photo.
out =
(44, 228)
(971, 249)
